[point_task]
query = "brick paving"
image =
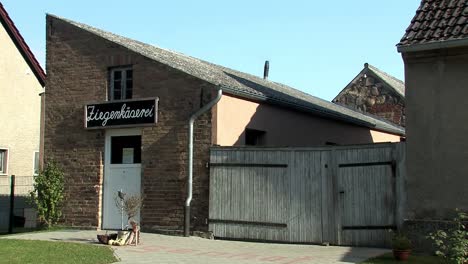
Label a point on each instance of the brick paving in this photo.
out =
(171, 249)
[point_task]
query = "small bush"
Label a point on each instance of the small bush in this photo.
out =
(453, 244)
(401, 242)
(48, 194)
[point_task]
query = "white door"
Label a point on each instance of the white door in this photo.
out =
(122, 172)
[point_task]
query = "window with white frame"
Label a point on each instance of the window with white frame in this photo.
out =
(3, 161)
(121, 83)
(36, 163)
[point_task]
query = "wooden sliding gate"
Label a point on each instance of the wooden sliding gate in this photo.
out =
(343, 195)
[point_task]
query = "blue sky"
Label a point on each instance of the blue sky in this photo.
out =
(314, 46)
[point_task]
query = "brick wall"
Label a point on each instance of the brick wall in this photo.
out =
(368, 94)
(77, 67)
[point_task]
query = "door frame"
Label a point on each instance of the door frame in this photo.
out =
(107, 156)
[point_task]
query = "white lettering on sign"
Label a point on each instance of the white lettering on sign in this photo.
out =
(124, 113)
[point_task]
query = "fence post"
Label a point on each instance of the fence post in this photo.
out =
(12, 205)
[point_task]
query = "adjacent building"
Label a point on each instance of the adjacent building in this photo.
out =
(116, 119)
(377, 93)
(435, 51)
(21, 83)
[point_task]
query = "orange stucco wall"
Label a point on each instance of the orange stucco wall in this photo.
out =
(285, 127)
(378, 136)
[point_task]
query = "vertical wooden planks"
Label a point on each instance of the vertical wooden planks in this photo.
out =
(242, 196)
(306, 194)
(368, 196)
(400, 173)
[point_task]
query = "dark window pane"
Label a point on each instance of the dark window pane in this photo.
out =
(128, 93)
(117, 90)
(2, 160)
(128, 89)
(126, 150)
(254, 137)
(117, 95)
(121, 84)
(117, 85)
(129, 84)
(117, 75)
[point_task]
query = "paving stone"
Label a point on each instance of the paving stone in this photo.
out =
(155, 248)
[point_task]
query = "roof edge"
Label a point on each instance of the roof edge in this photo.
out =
(366, 69)
(22, 46)
(402, 95)
(432, 45)
(319, 112)
(351, 82)
(73, 24)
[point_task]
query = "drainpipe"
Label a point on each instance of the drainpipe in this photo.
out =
(190, 159)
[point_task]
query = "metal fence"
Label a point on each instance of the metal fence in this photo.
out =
(15, 210)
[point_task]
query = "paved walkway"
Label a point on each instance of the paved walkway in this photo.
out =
(170, 249)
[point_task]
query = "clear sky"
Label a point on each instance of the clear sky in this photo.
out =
(314, 46)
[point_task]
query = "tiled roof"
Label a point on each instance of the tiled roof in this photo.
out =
(396, 84)
(436, 21)
(21, 45)
(242, 84)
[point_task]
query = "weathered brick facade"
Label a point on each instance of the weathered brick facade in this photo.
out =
(77, 68)
(368, 93)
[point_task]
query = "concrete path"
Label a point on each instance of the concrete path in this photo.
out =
(170, 249)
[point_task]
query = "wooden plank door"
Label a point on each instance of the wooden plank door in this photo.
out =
(367, 204)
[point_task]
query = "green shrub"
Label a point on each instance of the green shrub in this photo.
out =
(401, 242)
(453, 244)
(48, 194)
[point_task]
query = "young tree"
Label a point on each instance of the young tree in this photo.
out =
(48, 194)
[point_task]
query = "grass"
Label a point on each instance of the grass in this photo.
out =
(39, 229)
(19, 230)
(413, 259)
(34, 251)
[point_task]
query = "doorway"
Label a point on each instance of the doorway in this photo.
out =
(122, 172)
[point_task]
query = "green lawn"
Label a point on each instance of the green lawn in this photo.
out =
(19, 230)
(388, 259)
(34, 251)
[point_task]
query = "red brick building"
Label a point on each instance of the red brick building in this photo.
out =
(377, 93)
(116, 118)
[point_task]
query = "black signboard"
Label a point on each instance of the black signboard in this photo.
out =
(121, 113)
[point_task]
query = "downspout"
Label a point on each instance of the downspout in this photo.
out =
(190, 159)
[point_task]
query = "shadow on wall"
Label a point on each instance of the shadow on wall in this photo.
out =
(284, 127)
(273, 126)
(24, 214)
